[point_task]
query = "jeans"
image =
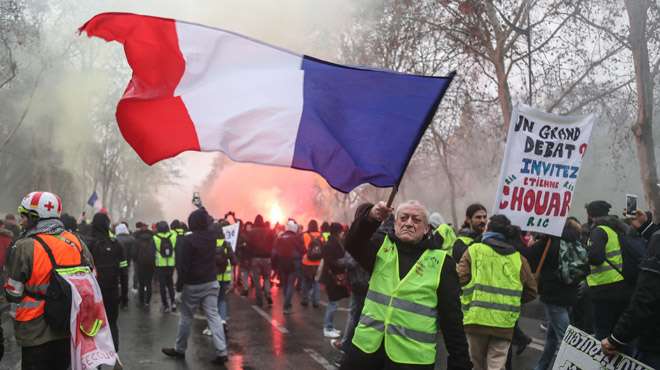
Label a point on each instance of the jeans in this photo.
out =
(223, 305)
(309, 285)
(357, 303)
(53, 355)
(260, 268)
(289, 279)
(328, 320)
(558, 320)
(165, 280)
(651, 359)
(205, 295)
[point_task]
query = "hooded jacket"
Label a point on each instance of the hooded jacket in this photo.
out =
(108, 257)
(260, 239)
(195, 259)
(363, 241)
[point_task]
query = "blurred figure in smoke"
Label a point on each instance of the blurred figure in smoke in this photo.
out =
(313, 241)
(287, 254)
(260, 243)
(244, 257)
(144, 261)
(476, 217)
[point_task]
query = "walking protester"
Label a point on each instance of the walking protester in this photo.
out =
(415, 281)
(641, 320)
(644, 224)
(244, 258)
(287, 255)
(561, 265)
(145, 257)
(474, 225)
(29, 271)
(610, 293)
(127, 242)
(111, 270)
(164, 243)
(198, 272)
(314, 242)
(334, 278)
(493, 293)
(260, 242)
(225, 260)
(444, 230)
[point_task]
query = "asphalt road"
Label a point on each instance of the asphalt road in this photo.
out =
(259, 338)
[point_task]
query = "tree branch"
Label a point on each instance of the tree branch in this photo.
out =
(599, 96)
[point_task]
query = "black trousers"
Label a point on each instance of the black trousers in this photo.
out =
(111, 303)
(54, 355)
(166, 282)
(145, 277)
(358, 360)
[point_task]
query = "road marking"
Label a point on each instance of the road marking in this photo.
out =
(271, 320)
(195, 316)
(536, 347)
(319, 359)
(344, 309)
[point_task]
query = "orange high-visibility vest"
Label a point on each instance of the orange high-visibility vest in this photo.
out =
(67, 251)
(307, 240)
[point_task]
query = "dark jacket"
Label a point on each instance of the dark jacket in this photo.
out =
(224, 255)
(551, 289)
(363, 242)
(109, 259)
(288, 251)
(332, 252)
(195, 259)
(145, 255)
(260, 242)
(128, 245)
(642, 317)
(647, 229)
(619, 291)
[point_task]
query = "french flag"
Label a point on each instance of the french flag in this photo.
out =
(204, 89)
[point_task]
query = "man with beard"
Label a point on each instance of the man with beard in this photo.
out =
(476, 217)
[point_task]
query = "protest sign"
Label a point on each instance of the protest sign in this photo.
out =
(231, 234)
(581, 351)
(91, 340)
(540, 167)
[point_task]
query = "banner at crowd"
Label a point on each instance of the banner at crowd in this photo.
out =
(91, 340)
(540, 167)
(581, 351)
(231, 234)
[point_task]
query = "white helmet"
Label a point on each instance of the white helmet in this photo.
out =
(42, 204)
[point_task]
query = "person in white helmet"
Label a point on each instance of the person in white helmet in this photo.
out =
(29, 271)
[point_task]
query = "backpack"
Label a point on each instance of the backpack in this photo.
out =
(166, 247)
(57, 310)
(314, 252)
(573, 262)
(633, 251)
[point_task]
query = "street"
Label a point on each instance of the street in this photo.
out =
(259, 338)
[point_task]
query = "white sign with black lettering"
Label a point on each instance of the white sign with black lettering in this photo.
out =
(231, 234)
(581, 351)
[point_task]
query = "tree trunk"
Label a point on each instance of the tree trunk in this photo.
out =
(503, 90)
(643, 129)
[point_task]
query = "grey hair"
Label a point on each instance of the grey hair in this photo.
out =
(414, 203)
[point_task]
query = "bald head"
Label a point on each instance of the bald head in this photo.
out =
(411, 221)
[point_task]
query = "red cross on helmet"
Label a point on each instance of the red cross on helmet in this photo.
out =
(42, 204)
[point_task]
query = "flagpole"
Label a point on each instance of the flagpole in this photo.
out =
(393, 193)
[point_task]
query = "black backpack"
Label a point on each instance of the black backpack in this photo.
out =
(57, 311)
(314, 252)
(166, 247)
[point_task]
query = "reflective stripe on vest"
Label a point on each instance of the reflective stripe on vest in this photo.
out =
(401, 312)
(225, 276)
(66, 251)
(493, 296)
(448, 236)
(160, 260)
(604, 273)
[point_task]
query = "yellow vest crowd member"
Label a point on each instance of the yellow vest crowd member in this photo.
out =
(497, 280)
(413, 293)
(474, 225)
(165, 247)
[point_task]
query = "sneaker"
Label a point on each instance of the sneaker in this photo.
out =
(166, 309)
(304, 303)
(173, 353)
(173, 307)
(207, 332)
(315, 305)
(336, 344)
(287, 311)
(220, 360)
(331, 333)
(544, 326)
(244, 293)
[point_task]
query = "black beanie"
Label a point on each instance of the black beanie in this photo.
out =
(598, 208)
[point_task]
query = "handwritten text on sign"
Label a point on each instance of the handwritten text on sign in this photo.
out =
(540, 167)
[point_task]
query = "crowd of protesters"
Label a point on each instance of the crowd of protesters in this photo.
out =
(409, 276)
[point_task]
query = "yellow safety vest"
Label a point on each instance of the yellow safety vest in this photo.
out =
(226, 275)
(402, 312)
(160, 260)
(604, 273)
(448, 236)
